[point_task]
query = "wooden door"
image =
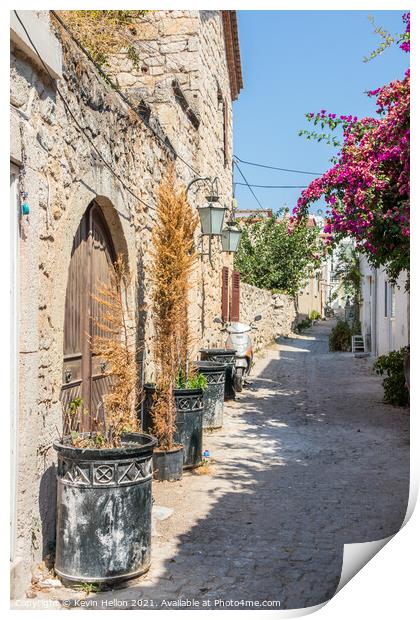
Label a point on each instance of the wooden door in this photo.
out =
(84, 375)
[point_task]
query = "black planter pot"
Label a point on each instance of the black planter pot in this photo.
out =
(189, 421)
(189, 425)
(226, 357)
(214, 393)
(168, 465)
(104, 505)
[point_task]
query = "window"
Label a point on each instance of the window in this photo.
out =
(386, 300)
(392, 294)
(225, 133)
(223, 106)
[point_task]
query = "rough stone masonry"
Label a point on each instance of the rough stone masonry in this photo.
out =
(187, 78)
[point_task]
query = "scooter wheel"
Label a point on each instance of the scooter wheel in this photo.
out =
(239, 379)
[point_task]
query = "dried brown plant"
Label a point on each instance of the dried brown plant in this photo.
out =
(174, 256)
(114, 343)
(106, 33)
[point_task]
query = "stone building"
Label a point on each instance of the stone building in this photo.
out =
(86, 162)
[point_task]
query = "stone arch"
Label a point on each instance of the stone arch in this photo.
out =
(106, 192)
(98, 184)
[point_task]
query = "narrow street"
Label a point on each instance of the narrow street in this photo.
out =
(309, 458)
(155, 217)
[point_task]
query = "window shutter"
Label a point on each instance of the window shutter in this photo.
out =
(235, 298)
(225, 133)
(225, 294)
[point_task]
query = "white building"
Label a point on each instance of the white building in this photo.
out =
(384, 311)
(336, 299)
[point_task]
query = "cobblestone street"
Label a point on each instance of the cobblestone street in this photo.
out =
(308, 459)
(145, 271)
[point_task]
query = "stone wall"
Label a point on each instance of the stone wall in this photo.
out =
(278, 314)
(188, 46)
(62, 173)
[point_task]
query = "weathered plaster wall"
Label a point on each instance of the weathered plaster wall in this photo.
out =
(61, 173)
(310, 297)
(278, 314)
(384, 316)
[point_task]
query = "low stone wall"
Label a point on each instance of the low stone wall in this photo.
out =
(278, 314)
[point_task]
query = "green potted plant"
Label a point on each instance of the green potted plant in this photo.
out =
(314, 316)
(104, 475)
(174, 408)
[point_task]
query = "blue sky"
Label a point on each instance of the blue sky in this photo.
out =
(295, 62)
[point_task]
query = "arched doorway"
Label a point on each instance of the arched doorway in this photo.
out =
(84, 374)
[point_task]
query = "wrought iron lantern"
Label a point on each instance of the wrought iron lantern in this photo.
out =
(231, 235)
(212, 217)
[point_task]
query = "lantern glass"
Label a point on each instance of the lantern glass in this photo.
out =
(211, 218)
(230, 238)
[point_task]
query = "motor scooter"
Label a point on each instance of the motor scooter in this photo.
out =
(239, 338)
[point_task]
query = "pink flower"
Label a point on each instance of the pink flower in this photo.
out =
(368, 189)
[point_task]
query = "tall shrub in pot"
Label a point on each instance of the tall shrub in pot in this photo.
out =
(176, 413)
(104, 476)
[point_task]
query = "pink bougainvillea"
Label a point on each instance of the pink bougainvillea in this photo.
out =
(367, 190)
(405, 39)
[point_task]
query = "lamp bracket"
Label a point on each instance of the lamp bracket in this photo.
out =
(213, 185)
(209, 253)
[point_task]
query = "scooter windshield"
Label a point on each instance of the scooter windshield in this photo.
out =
(238, 328)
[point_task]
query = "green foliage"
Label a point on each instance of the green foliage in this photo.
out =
(348, 271)
(328, 311)
(328, 138)
(197, 381)
(356, 327)
(72, 417)
(314, 315)
(100, 440)
(75, 404)
(272, 257)
(304, 324)
(132, 54)
(88, 588)
(392, 366)
(193, 382)
(387, 40)
(340, 337)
